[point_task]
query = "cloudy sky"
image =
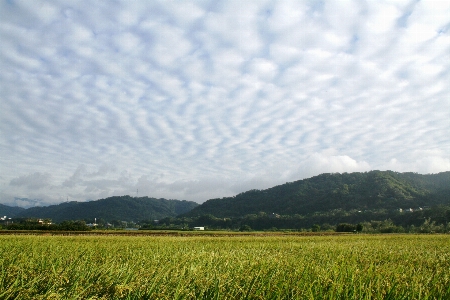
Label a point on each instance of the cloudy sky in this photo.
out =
(203, 99)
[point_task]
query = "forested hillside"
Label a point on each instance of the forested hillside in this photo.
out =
(394, 199)
(124, 208)
(373, 190)
(10, 211)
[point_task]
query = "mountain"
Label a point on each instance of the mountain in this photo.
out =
(123, 208)
(10, 211)
(326, 198)
(372, 190)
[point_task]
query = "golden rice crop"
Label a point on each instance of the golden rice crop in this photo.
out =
(240, 267)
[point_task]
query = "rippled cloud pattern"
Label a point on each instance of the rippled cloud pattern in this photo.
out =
(202, 99)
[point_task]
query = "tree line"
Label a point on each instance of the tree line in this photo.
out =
(44, 224)
(434, 219)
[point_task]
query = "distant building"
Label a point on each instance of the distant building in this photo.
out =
(199, 228)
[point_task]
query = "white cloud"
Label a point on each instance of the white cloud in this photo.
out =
(263, 68)
(32, 181)
(319, 163)
(432, 164)
(97, 98)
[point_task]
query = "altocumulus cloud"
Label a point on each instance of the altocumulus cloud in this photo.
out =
(201, 99)
(33, 181)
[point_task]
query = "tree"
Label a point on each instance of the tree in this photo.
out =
(245, 228)
(345, 227)
(359, 227)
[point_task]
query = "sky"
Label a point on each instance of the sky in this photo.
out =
(194, 100)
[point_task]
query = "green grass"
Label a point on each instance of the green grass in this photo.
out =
(229, 267)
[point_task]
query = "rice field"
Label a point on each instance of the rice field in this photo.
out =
(225, 267)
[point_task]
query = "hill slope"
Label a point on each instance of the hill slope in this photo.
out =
(124, 208)
(10, 211)
(347, 191)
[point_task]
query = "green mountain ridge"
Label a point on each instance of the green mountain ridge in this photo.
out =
(326, 198)
(123, 208)
(372, 190)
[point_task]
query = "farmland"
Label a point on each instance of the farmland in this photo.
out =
(225, 267)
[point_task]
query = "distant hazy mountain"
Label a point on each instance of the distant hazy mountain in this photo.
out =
(124, 208)
(10, 211)
(347, 191)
